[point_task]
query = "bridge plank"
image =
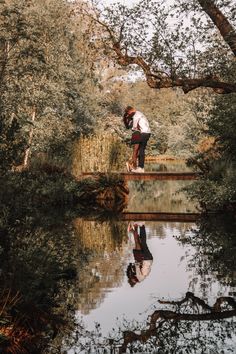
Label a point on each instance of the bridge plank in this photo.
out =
(152, 175)
(160, 216)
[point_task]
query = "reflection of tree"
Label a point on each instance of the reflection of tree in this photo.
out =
(102, 249)
(97, 237)
(175, 166)
(215, 245)
(158, 196)
(162, 229)
(164, 330)
(186, 326)
(37, 269)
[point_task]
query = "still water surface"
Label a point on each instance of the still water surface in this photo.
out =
(169, 278)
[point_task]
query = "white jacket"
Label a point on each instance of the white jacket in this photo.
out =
(140, 122)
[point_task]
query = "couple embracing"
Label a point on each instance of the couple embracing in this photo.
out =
(141, 132)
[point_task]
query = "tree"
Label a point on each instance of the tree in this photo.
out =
(45, 78)
(217, 190)
(165, 329)
(214, 243)
(187, 44)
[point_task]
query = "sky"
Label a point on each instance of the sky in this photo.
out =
(124, 2)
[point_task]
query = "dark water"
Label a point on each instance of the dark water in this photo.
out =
(162, 166)
(76, 268)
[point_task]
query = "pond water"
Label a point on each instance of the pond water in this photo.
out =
(112, 303)
(169, 278)
(84, 262)
(171, 165)
(161, 196)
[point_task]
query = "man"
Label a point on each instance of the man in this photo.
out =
(138, 271)
(139, 123)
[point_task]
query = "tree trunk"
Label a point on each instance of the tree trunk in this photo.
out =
(5, 56)
(226, 29)
(28, 150)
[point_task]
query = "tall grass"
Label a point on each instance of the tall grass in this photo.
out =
(99, 153)
(97, 237)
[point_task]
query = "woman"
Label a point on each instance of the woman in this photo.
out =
(128, 121)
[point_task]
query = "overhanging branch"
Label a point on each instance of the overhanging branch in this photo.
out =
(158, 81)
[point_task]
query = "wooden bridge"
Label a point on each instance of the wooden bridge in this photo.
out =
(149, 176)
(160, 216)
(155, 216)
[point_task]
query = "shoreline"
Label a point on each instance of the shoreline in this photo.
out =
(165, 158)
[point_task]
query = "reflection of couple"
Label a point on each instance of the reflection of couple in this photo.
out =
(138, 271)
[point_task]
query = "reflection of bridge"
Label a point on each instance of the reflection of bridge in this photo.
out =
(156, 216)
(147, 176)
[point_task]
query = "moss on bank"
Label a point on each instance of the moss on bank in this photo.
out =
(41, 189)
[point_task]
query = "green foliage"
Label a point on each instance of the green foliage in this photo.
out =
(217, 190)
(38, 269)
(42, 189)
(216, 193)
(222, 124)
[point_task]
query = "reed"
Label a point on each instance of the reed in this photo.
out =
(97, 237)
(99, 153)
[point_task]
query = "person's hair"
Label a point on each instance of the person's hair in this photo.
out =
(128, 116)
(128, 109)
(131, 274)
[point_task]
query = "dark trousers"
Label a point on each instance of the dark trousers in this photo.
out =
(142, 146)
(144, 253)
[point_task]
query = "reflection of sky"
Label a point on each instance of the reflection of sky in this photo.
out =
(169, 279)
